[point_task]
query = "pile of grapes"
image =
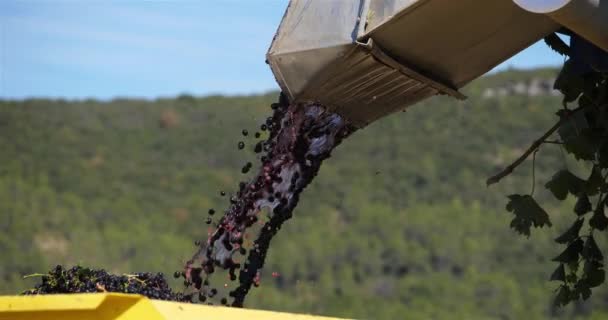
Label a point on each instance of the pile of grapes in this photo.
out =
(81, 280)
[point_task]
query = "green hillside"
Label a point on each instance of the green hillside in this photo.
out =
(398, 225)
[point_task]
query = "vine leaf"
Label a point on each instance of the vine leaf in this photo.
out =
(591, 252)
(599, 220)
(583, 205)
(576, 136)
(572, 233)
(559, 274)
(594, 273)
(583, 289)
(572, 277)
(563, 182)
(563, 296)
(595, 182)
(569, 82)
(582, 145)
(554, 42)
(527, 213)
(570, 255)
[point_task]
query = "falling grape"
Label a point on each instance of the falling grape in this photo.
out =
(300, 137)
(258, 147)
(246, 168)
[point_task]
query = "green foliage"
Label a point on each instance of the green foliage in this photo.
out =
(398, 225)
(582, 133)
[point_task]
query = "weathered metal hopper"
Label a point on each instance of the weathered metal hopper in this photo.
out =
(368, 58)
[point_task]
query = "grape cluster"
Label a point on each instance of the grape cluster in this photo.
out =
(85, 280)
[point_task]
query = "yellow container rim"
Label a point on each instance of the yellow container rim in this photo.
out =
(117, 306)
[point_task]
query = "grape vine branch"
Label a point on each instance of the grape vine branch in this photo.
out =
(583, 133)
(534, 147)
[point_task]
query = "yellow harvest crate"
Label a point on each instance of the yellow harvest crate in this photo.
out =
(115, 306)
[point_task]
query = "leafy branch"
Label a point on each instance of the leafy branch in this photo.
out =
(582, 133)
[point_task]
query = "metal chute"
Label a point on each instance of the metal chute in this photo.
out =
(368, 58)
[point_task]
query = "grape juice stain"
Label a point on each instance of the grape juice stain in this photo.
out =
(300, 137)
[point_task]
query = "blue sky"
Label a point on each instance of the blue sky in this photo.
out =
(104, 49)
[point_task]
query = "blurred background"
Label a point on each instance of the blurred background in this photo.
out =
(119, 124)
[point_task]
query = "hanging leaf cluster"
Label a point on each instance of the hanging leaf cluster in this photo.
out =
(582, 132)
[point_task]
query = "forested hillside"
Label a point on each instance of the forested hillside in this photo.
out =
(399, 224)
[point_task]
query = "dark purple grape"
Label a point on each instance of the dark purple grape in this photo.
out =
(241, 145)
(246, 168)
(258, 147)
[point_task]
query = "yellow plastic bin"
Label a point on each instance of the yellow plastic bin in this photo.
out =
(114, 306)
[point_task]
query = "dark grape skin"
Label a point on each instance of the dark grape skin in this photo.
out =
(211, 212)
(246, 168)
(80, 279)
(245, 132)
(258, 147)
(241, 145)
